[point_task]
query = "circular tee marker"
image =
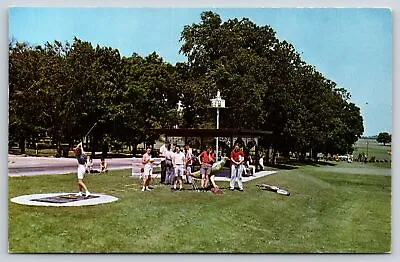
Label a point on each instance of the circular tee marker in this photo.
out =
(63, 199)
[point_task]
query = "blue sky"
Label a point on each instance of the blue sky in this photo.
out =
(352, 47)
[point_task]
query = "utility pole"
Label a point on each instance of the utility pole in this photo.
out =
(217, 103)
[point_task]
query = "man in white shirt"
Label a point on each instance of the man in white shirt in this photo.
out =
(163, 150)
(178, 161)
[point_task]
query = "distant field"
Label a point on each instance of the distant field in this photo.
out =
(372, 148)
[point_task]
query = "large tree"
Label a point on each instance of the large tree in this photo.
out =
(224, 57)
(384, 137)
(149, 97)
(26, 110)
(266, 85)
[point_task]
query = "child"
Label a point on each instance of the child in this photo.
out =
(103, 166)
(89, 164)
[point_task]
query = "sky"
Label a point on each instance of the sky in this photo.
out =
(350, 46)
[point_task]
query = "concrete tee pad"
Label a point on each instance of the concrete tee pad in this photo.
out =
(62, 199)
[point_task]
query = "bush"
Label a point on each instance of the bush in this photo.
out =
(46, 146)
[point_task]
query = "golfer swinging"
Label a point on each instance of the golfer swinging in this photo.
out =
(81, 157)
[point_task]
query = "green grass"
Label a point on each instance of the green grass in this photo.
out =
(327, 212)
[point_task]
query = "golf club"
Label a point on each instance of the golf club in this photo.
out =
(90, 130)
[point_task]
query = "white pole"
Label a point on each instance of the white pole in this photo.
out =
(216, 156)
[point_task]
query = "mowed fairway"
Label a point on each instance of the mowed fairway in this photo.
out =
(328, 211)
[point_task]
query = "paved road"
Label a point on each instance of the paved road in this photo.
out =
(25, 166)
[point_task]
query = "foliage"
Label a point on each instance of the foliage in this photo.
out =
(384, 138)
(62, 90)
(267, 86)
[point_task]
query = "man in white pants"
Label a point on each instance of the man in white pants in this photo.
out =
(237, 158)
(82, 158)
(178, 161)
(163, 151)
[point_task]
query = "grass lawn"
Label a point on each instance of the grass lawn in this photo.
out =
(329, 210)
(373, 148)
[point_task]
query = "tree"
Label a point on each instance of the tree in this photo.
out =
(384, 138)
(25, 109)
(223, 56)
(148, 98)
(266, 85)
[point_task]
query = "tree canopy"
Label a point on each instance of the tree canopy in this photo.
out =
(266, 86)
(384, 137)
(61, 89)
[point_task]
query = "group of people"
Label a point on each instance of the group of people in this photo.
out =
(89, 165)
(176, 166)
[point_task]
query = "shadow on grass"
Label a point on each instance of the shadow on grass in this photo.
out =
(290, 165)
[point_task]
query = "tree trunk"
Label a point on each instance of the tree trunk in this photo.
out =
(134, 149)
(22, 145)
(59, 148)
(315, 155)
(302, 156)
(271, 155)
(274, 156)
(267, 157)
(93, 144)
(104, 150)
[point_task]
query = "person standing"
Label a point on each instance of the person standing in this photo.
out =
(163, 150)
(147, 161)
(237, 158)
(169, 169)
(206, 161)
(81, 158)
(178, 161)
(252, 168)
(188, 163)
